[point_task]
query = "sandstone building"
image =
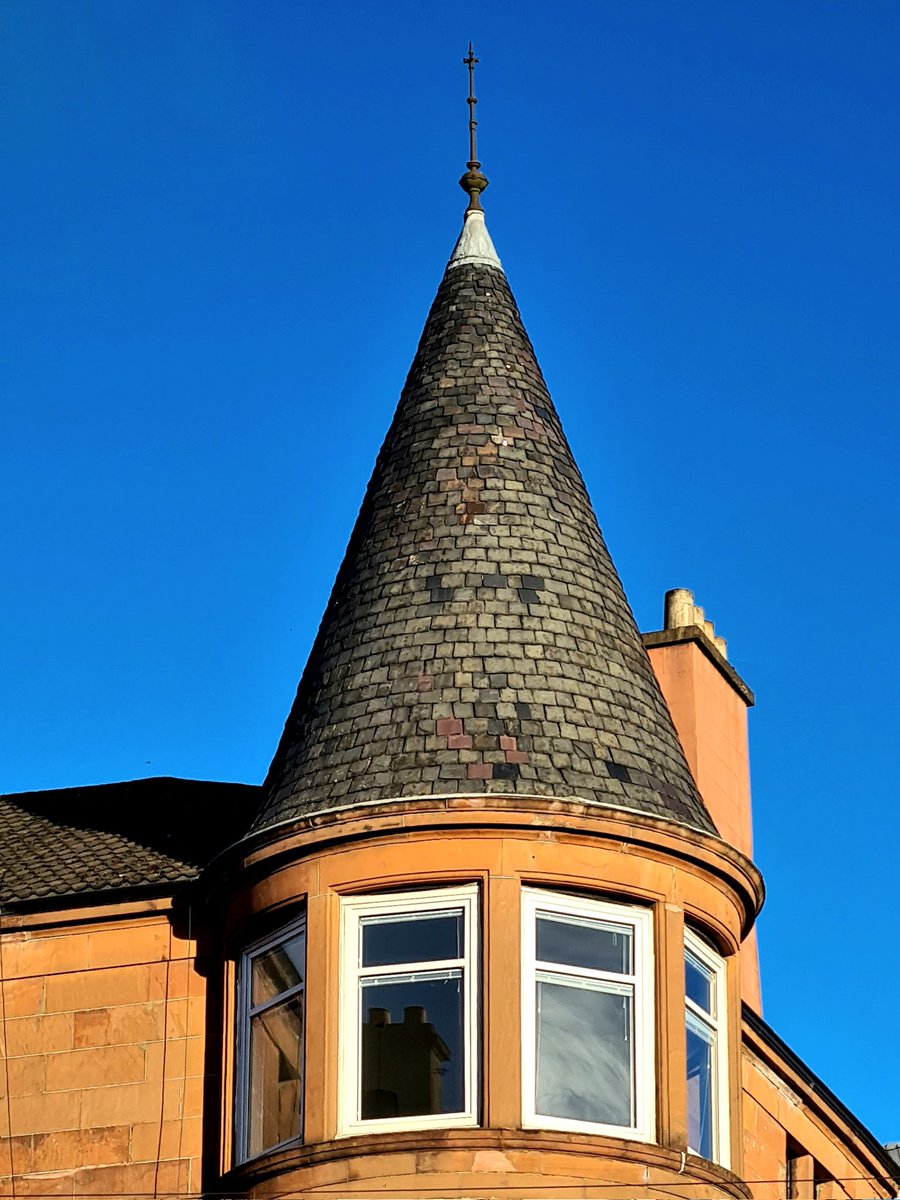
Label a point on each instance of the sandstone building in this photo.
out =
(485, 930)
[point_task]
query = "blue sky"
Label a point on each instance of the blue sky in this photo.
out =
(222, 226)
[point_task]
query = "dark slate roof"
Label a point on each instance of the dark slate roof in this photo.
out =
(477, 638)
(145, 834)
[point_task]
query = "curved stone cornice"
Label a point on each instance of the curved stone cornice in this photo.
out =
(271, 849)
(482, 1159)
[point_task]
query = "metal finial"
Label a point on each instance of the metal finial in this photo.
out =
(473, 182)
(470, 62)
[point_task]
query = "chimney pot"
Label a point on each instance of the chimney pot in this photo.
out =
(679, 608)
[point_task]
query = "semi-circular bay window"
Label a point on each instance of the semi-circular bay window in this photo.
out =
(587, 1015)
(409, 1021)
(270, 1019)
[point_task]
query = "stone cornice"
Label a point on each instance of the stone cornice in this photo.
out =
(258, 856)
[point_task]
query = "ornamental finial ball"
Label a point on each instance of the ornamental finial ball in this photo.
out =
(473, 184)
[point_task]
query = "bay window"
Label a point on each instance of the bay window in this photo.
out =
(707, 1074)
(587, 1015)
(408, 1021)
(409, 1010)
(270, 1006)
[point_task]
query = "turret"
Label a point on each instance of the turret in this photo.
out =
(483, 924)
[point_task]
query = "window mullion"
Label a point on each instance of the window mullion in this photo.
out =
(698, 1011)
(611, 987)
(414, 968)
(702, 1028)
(398, 977)
(275, 1000)
(584, 972)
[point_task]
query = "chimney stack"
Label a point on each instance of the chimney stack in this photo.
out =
(708, 701)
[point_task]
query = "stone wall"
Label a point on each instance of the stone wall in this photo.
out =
(104, 1045)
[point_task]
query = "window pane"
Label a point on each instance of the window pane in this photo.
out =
(276, 1047)
(700, 1089)
(412, 1047)
(699, 983)
(278, 970)
(581, 942)
(585, 1062)
(412, 938)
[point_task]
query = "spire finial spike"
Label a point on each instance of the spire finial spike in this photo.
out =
(473, 182)
(470, 62)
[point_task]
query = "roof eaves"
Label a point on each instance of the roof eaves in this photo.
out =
(770, 1038)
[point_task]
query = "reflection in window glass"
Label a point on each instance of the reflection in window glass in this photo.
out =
(412, 1041)
(581, 943)
(698, 983)
(425, 937)
(270, 1043)
(585, 1064)
(275, 1071)
(278, 970)
(700, 1091)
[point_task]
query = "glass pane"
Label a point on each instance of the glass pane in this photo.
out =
(276, 1048)
(425, 937)
(412, 1047)
(581, 942)
(585, 1060)
(277, 970)
(698, 983)
(701, 1090)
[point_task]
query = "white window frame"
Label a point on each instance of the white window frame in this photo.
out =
(536, 901)
(395, 904)
(244, 1011)
(703, 952)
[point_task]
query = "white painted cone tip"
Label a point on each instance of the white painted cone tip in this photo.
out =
(474, 245)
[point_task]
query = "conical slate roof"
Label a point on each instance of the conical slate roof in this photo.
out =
(477, 638)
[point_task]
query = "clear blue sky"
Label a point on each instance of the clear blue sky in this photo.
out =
(222, 224)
